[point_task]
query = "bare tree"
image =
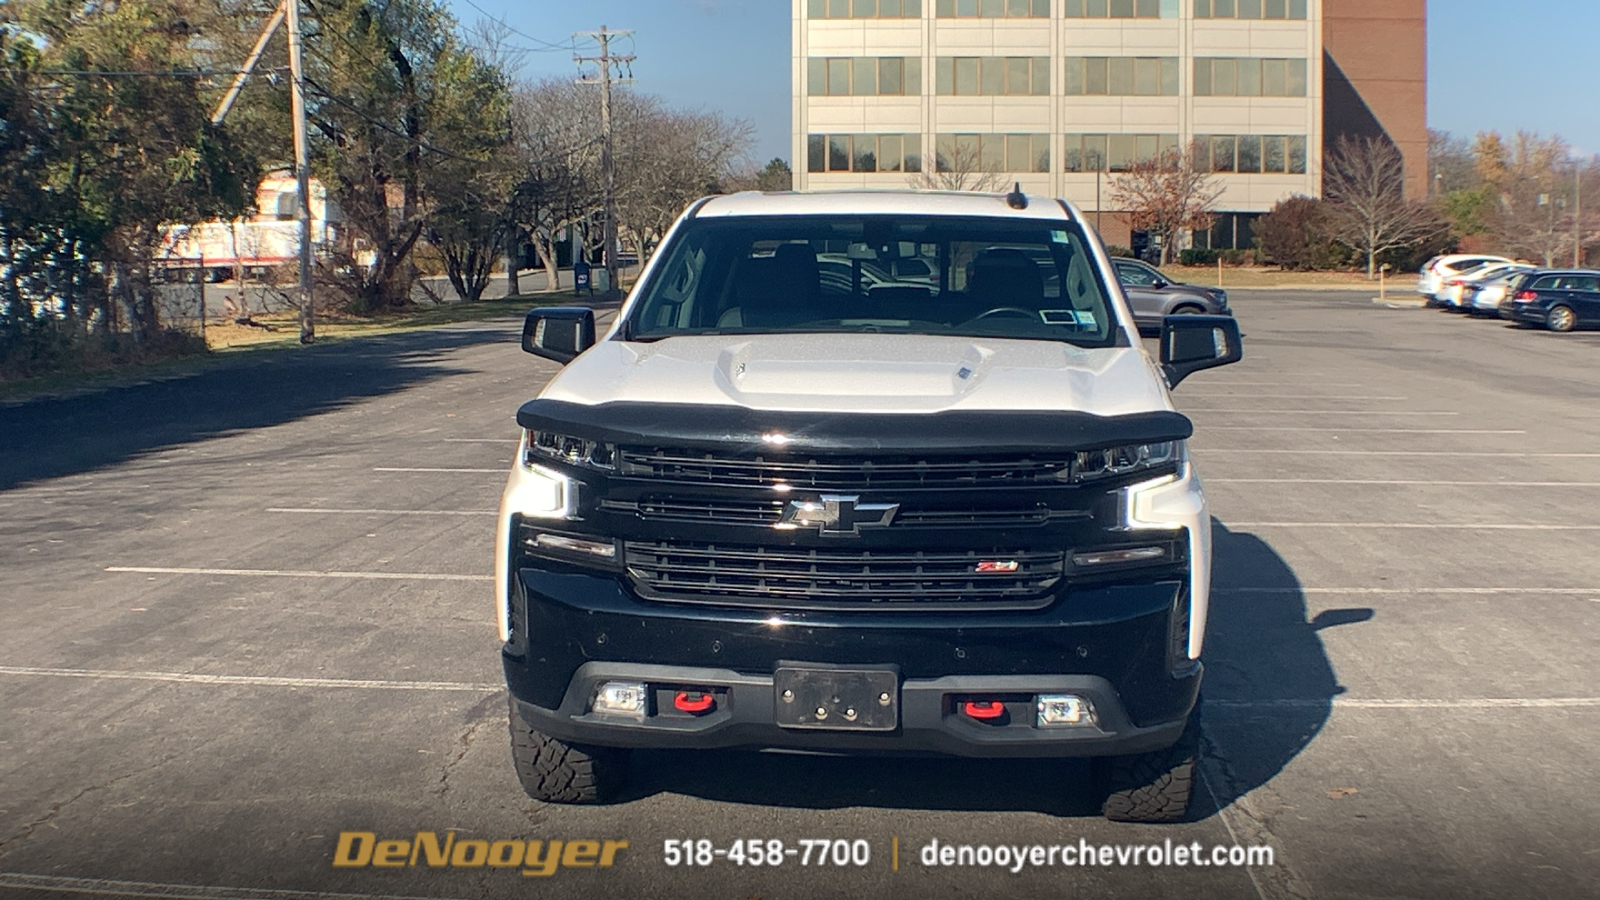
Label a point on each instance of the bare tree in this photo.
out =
(556, 130)
(1167, 196)
(959, 167)
(667, 158)
(1364, 180)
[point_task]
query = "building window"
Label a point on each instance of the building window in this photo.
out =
(864, 76)
(1011, 153)
(1249, 76)
(992, 76)
(993, 9)
(1229, 231)
(864, 9)
(1252, 153)
(863, 153)
(1122, 76)
(1114, 152)
(1248, 9)
(1120, 9)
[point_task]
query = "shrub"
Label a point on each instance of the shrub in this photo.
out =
(1295, 234)
(1197, 257)
(1119, 250)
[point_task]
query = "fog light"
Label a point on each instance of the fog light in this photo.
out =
(1057, 710)
(597, 549)
(1112, 557)
(621, 698)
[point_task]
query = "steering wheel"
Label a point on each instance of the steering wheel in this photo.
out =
(1000, 310)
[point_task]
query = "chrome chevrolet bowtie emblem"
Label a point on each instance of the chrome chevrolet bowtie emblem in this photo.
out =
(837, 515)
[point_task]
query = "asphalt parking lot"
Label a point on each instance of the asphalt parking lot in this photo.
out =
(250, 609)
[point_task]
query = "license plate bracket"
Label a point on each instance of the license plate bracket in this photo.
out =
(836, 699)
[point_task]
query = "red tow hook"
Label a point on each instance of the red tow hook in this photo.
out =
(984, 710)
(694, 702)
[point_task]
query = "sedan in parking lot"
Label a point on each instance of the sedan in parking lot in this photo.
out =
(1153, 296)
(1558, 300)
(1484, 298)
(1441, 269)
(1461, 294)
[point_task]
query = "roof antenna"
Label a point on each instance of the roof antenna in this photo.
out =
(1017, 199)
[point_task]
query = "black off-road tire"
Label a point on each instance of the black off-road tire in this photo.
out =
(557, 772)
(1152, 787)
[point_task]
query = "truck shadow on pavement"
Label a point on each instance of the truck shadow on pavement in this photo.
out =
(1269, 690)
(50, 438)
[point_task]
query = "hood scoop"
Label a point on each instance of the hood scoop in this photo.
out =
(821, 367)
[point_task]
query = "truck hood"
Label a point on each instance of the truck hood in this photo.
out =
(868, 373)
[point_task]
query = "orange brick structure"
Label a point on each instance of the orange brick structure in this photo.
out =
(1375, 70)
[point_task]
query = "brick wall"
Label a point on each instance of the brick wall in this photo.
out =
(1376, 77)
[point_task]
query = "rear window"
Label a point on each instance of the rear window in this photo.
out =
(1012, 278)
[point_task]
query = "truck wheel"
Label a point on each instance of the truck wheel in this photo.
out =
(557, 772)
(1152, 787)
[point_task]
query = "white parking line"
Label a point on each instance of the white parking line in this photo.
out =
(481, 440)
(1251, 395)
(104, 887)
(1403, 483)
(1440, 453)
(1362, 430)
(1452, 526)
(1398, 591)
(415, 469)
(1415, 703)
(257, 680)
(293, 573)
(480, 687)
(1320, 412)
(381, 512)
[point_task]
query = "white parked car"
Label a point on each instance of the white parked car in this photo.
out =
(1458, 292)
(1484, 297)
(1441, 269)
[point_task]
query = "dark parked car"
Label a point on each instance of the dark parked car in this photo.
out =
(1557, 300)
(1153, 296)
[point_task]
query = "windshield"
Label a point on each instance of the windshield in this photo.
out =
(1011, 278)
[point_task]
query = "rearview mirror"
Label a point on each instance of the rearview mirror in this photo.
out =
(559, 333)
(1190, 344)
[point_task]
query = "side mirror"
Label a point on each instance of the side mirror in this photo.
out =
(559, 333)
(1190, 344)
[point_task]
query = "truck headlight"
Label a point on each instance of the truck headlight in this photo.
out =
(1117, 461)
(571, 450)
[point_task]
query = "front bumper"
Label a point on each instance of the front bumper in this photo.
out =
(1114, 645)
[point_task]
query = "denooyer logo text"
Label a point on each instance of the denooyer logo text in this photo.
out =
(358, 849)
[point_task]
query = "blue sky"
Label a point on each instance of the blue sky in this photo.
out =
(1492, 64)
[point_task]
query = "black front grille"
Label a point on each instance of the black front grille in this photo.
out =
(768, 512)
(839, 473)
(802, 577)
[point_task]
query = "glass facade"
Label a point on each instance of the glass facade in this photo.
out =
(1012, 153)
(864, 153)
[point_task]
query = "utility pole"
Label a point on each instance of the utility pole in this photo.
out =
(249, 65)
(302, 171)
(1577, 216)
(606, 78)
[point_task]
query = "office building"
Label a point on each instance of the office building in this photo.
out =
(1063, 95)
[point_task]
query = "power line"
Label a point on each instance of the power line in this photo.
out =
(548, 47)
